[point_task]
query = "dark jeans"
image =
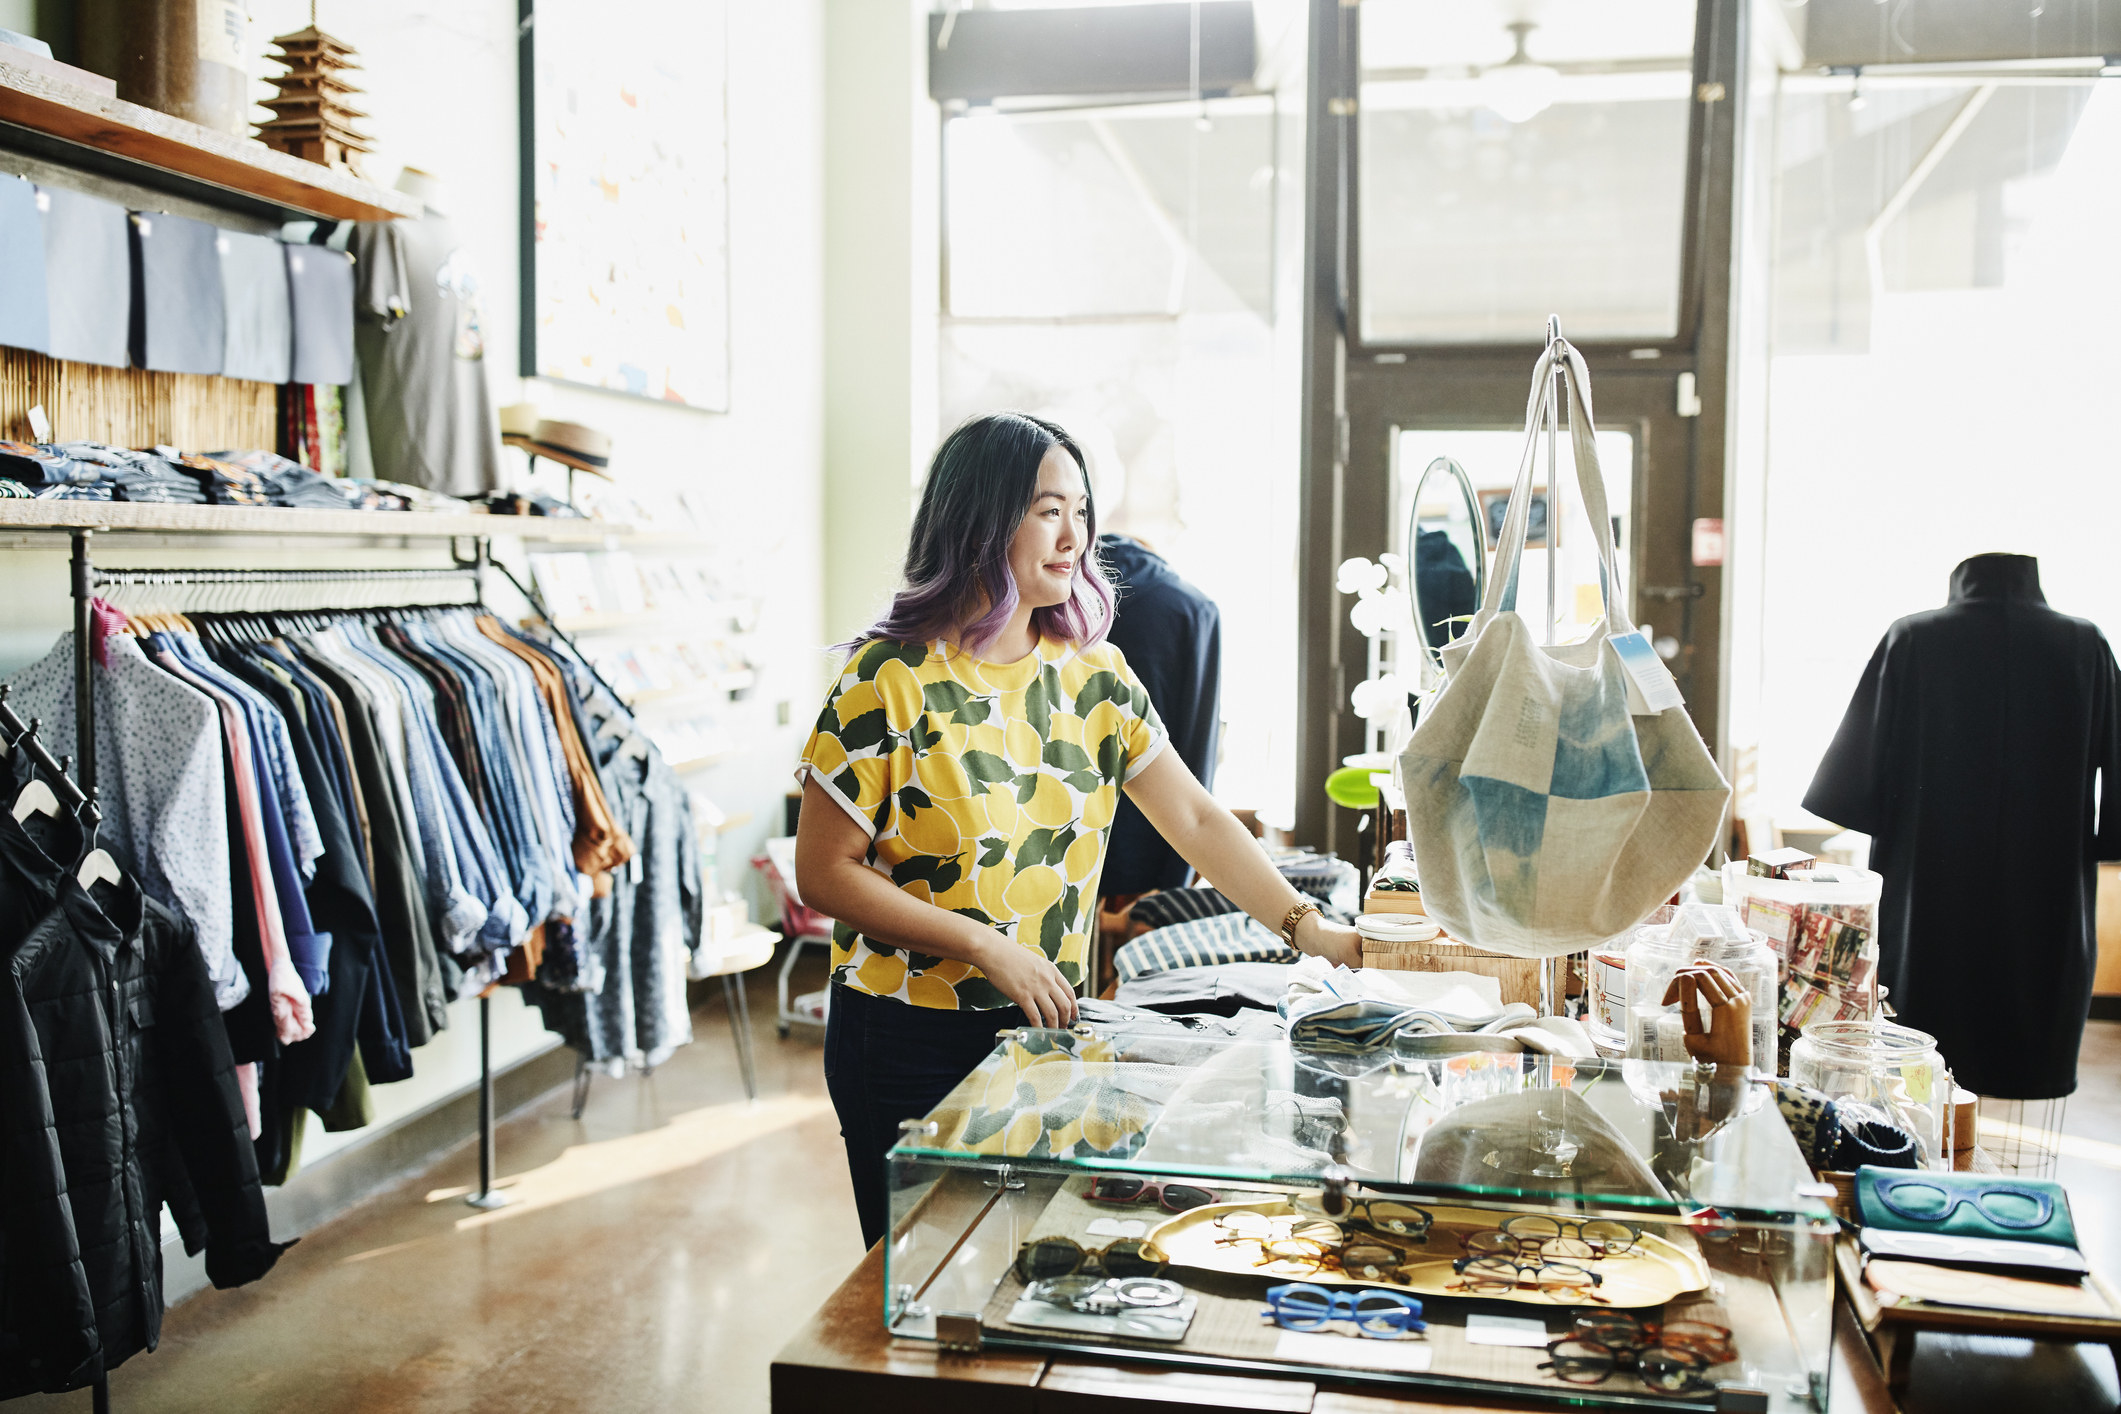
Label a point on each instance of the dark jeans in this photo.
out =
(887, 1061)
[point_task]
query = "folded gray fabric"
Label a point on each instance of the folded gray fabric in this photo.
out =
(178, 320)
(259, 341)
(87, 277)
(320, 285)
(1222, 990)
(25, 315)
(1357, 1026)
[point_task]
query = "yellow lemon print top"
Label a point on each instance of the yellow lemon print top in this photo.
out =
(985, 788)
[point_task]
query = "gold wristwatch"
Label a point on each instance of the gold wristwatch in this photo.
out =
(1296, 916)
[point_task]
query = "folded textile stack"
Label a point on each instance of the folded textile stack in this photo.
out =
(291, 484)
(37, 466)
(135, 476)
(226, 483)
(1339, 1011)
(1200, 942)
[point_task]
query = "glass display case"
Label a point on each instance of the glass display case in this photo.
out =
(1624, 1233)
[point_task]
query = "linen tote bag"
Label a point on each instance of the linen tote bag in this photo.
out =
(1546, 816)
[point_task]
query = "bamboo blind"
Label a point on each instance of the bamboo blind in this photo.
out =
(132, 407)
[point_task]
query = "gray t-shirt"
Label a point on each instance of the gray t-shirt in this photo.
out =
(422, 349)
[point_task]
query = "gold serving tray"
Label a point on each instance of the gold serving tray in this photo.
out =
(1657, 1271)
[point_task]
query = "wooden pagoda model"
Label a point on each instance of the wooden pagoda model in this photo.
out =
(312, 117)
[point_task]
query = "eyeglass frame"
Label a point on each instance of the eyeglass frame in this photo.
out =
(1694, 1362)
(1463, 1265)
(1579, 1224)
(1404, 1319)
(1601, 1327)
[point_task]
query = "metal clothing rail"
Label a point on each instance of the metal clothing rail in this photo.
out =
(87, 579)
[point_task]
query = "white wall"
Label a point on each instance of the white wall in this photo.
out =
(440, 82)
(881, 280)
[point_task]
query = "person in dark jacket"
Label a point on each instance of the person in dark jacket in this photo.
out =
(1968, 755)
(1172, 636)
(119, 1095)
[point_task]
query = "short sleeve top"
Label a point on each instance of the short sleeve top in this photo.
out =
(985, 788)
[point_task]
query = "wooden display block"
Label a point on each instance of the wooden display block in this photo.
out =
(1519, 975)
(1393, 901)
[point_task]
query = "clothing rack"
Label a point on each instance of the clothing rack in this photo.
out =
(22, 736)
(87, 579)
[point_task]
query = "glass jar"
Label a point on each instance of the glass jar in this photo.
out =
(1711, 932)
(1747, 956)
(1890, 1068)
(1655, 1031)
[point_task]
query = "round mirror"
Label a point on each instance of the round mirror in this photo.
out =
(1447, 555)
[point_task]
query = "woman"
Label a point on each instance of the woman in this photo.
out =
(961, 781)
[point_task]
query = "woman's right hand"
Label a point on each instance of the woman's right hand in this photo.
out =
(1027, 977)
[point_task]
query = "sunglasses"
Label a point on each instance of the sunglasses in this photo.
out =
(1375, 1314)
(2004, 1204)
(1171, 1197)
(1043, 1258)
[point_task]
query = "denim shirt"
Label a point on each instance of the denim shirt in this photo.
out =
(478, 867)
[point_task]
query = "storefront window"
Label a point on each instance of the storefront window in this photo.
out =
(1943, 305)
(1508, 171)
(1119, 270)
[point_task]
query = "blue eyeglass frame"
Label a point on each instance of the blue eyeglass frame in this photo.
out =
(1403, 1314)
(1885, 1188)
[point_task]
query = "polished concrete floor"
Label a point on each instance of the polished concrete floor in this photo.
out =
(664, 1247)
(657, 1254)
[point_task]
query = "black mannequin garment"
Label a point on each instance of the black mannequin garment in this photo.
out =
(1969, 755)
(1447, 592)
(1172, 636)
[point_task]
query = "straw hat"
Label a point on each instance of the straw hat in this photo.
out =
(568, 443)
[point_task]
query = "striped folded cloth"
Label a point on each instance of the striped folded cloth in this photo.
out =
(1168, 906)
(1200, 942)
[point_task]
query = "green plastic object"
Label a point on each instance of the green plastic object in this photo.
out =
(1350, 786)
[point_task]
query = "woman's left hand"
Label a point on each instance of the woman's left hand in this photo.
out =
(1335, 942)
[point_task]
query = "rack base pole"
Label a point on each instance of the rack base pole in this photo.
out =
(486, 1196)
(84, 594)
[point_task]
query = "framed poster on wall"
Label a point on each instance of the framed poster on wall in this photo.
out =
(625, 240)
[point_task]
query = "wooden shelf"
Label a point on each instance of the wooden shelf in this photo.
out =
(700, 763)
(119, 138)
(676, 619)
(156, 518)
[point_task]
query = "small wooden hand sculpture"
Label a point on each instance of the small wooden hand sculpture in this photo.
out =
(1724, 1036)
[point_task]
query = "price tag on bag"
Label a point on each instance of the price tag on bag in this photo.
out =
(1651, 687)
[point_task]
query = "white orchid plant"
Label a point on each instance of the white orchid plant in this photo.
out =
(1383, 613)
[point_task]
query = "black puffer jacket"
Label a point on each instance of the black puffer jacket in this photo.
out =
(117, 1093)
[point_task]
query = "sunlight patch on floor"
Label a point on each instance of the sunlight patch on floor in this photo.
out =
(689, 1139)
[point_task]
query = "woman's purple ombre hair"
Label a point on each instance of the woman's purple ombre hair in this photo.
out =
(957, 584)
